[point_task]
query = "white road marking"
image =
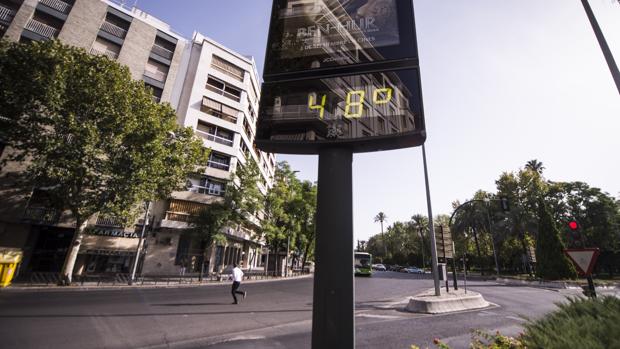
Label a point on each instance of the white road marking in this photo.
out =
(377, 316)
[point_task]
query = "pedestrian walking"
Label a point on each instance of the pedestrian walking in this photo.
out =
(237, 276)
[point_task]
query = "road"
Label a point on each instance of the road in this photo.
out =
(276, 314)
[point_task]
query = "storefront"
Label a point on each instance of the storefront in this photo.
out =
(106, 250)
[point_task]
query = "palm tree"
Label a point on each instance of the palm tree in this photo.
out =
(381, 217)
(535, 165)
(420, 224)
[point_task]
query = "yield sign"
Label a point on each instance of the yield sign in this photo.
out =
(583, 258)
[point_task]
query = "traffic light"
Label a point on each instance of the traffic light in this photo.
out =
(575, 232)
(504, 204)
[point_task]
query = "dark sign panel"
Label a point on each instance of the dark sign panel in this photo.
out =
(341, 72)
(315, 34)
(371, 111)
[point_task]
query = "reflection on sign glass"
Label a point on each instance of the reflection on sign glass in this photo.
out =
(342, 108)
(312, 27)
(309, 34)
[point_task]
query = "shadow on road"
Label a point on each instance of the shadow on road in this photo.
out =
(35, 316)
(186, 304)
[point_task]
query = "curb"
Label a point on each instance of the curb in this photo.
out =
(556, 285)
(135, 287)
(431, 305)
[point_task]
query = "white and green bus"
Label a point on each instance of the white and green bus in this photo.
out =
(363, 264)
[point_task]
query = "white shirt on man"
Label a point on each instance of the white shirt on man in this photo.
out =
(237, 274)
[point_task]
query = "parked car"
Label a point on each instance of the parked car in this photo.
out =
(378, 267)
(414, 270)
(394, 267)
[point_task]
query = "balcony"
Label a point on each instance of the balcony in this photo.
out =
(41, 215)
(6, 15)
(109, 222)
(102, 52)
(162, 51)
(57, 5)
(224, 93)
(42, 29)
(215, 138)
(156, 75)
(114, 30)
(209, 189)
(219, 165)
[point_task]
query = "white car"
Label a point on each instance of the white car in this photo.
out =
(378, 267)
(414, 270)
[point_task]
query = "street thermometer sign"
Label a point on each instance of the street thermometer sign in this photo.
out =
(341, 76)
(342, 73)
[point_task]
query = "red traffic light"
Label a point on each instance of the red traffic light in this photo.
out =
(573, 225)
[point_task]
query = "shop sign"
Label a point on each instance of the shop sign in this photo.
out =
(116, 233)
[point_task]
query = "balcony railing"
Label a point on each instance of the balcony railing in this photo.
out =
(109, 222)
(219, 165)
(156, 75)
(223, 93)
(103, 52)
(42, 215)
(114, 30)
(215, 138)
(42, 29)
(209, 189)
(57, 5)
(179, 217)
(162, 51)
(6, 14)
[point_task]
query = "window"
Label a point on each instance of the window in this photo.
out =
(381, 125)
(163, 48)
(219, 110)
(245, 149)
(219, 161)
(156, 92)
(215, 133)
(155, 71)
(104, 47)
(220, 87)
(212, 187)
(227, 68)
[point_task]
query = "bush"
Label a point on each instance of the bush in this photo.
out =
(580, 323)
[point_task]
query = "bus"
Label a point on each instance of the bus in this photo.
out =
(363, 264)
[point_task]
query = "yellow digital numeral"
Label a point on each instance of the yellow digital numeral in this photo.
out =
(387, 91)
(313, 106)
(359, 104)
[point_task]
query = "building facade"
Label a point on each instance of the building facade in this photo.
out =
(219, 100)
(165, 61)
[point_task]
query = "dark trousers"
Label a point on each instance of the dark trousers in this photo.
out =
(235, 290)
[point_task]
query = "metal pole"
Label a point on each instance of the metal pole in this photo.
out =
(288, 242)
(492, 241)
(465, 270)
(140, 242)
(611, 63)
(267, 263)
(456, 287)
(333, 320)
(591, 287)
(431, 229)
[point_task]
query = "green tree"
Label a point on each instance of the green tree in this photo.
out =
(552, 263)
(89, 134)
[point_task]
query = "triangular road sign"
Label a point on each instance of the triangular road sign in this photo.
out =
(583, 258)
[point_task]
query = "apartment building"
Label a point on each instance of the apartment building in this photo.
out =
(153, 52)
(219, 100)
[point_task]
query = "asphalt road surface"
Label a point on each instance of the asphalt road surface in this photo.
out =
(276, 314)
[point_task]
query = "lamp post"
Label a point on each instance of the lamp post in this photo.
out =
(134, 266)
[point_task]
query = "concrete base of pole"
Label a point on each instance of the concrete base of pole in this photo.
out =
(455, 300)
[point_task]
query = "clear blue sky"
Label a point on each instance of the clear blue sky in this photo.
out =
(504, 82)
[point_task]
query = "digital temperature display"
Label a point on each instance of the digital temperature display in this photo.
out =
(384, 109)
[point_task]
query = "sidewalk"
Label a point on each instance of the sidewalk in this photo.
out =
(169, 282)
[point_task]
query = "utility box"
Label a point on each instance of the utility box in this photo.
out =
(442, 271)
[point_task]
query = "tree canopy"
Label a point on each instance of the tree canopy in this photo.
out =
(88, 134)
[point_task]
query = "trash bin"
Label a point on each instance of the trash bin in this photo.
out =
(9, 259)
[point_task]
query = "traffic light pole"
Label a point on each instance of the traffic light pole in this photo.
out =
(333, 320)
